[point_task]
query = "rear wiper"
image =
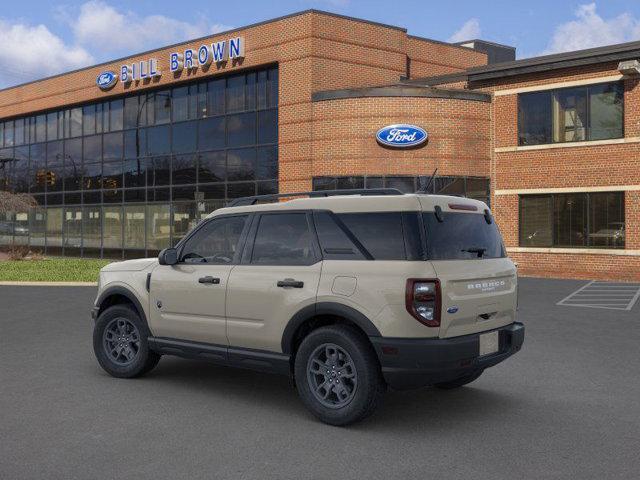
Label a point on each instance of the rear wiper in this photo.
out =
(479, 250)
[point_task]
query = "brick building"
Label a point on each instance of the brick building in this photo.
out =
(124, 157)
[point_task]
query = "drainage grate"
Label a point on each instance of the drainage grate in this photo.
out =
(614, 296)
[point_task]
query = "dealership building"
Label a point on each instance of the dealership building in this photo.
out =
(123, 158)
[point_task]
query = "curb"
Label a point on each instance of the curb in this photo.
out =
(49, 284)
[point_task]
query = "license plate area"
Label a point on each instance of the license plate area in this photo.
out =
(489, 343)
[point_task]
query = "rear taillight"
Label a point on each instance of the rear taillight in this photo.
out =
(423, 301)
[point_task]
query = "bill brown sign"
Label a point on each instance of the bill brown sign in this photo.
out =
(189, 59)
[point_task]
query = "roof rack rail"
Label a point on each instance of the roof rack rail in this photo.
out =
(244, 201)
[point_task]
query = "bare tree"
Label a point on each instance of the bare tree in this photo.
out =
(16, 202)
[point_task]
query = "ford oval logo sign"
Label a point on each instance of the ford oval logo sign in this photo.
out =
(401, 136)
(106, 80)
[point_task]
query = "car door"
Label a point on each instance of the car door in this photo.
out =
(278, 276)
(188, 299)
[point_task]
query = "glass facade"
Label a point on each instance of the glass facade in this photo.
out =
(573, 220)
(130, 176)
(471, 187)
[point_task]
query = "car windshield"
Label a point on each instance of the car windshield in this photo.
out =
(462, 236)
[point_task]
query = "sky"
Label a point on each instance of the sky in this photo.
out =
(39, 38)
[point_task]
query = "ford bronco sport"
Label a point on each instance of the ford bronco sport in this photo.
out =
(346, 292)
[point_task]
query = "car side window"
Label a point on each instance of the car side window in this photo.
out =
(283, 239)
(216, 242)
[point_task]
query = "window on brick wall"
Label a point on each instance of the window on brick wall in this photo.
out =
(471, 187)
(573, 220)
(593, 112)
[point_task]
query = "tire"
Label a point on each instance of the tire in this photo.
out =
(459, 382)
(353, 390)
(131, 358)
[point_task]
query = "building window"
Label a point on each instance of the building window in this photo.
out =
(129, 176)
(573, 220)
(593, 112)
(470, 187)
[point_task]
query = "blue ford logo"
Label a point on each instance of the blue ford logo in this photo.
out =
(453, 309)
(401, 136)
(106, 80)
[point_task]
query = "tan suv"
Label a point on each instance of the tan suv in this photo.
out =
(347, 292)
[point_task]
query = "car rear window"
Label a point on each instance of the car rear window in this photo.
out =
(462, 236)
(372, 236)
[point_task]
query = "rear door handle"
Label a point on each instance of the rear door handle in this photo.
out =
(290, 282)
(212, 280)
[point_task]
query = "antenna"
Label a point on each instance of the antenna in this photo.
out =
(426, 187)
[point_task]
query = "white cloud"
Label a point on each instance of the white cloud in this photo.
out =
(104, 29)
(591, 30)
(98, 32)
(469, 31)
(28, 52)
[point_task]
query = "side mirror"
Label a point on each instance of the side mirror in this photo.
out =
(168, 256)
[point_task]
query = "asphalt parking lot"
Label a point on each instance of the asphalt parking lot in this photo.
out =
(567, 406)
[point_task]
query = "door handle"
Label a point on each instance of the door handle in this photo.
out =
(290, 282)
(211, 280)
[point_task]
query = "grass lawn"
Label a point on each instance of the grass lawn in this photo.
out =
(52, 270)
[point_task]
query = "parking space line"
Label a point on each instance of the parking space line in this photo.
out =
(613, 296)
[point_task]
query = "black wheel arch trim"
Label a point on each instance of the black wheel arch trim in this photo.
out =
(325, 308)
(119, 290)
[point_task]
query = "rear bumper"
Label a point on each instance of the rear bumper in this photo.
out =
(416, 362)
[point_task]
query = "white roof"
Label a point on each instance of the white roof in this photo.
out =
(363, 203)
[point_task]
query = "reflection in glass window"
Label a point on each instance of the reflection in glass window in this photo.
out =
(184, 220)
(112, 227)
(92, 228)
(606, 107)
(184, 169)
(215, 97)
(241, 164)
(158, 227)
(112, 175)
(211, 133)
(37, 226)
(235, 93)
(180, 103)
(131, 112)
(134, 226)
(241, 129)
(135, 173)
(576, 114)
(161, 171)
(92, 176)
(89, 120)
(268, 126)
(162, 107)
(74, 157)
(158, 140)
(112, 146)
(217, 242)
(19, 131)
(54, 227)
(116, 118)
(283, 239)
(243, 189)
(54, 173)
(92, 149)
(593, 220)
(73, 229)
(75, 122)
(267, 168)
(184, 137)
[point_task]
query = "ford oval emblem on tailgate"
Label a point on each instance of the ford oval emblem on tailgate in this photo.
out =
(401, 136)
(453, 309)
